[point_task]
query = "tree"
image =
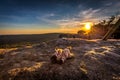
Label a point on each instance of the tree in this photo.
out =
(81, 33)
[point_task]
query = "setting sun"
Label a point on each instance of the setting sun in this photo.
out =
(87, 26)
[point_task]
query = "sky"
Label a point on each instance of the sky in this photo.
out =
(52, 16)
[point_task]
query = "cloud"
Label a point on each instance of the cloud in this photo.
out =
(72, 23)
(68, 23)
(108, 4)
(90, 13)
(46, 17)
(95, 15)
(81, 17)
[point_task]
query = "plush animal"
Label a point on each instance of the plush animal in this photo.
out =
(61, 55)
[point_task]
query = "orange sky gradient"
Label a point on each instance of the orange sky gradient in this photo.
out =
(36, 31)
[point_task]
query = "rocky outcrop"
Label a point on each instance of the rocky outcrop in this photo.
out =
(94, 60)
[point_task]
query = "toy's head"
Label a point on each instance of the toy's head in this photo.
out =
(59, 50)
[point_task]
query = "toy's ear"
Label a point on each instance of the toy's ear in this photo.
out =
(56, 49)
(69, 47)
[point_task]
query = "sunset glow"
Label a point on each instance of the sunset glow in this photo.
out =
(52, 16)
(87, 26)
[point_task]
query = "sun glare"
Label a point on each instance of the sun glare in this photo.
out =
(87, 26)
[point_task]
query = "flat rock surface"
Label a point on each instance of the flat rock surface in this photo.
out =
(94, 60)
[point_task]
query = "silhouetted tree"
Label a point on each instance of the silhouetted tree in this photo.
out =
(81, 33)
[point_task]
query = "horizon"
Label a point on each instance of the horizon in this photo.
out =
(36, 34)
(52, 16)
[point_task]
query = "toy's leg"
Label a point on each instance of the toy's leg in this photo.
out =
(54, 59)
(71, 56)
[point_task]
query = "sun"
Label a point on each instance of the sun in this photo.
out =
(88, 26)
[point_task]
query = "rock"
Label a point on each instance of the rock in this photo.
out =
(16, 65)
(25, 63)
(100, 50)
